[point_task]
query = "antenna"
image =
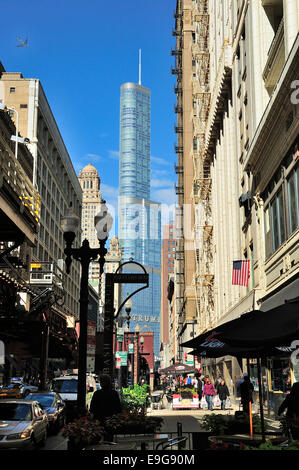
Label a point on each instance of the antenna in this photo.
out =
(139, 66)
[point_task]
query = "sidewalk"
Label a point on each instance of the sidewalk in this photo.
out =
(191, 419)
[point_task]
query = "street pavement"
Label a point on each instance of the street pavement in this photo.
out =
(189, 419)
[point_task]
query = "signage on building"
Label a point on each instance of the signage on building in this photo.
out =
(122, 356)
(35, 265)
(131, 348)
(120, 334)
(124, 278)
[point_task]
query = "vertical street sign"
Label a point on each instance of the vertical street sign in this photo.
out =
(111, 279)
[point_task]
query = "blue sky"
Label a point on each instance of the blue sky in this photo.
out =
(82, 52)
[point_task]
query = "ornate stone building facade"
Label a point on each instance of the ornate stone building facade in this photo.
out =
(241, 134)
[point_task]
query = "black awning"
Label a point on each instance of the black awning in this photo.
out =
(256, 329)
(276, 327)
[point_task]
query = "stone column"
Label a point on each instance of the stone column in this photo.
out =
(291, 22)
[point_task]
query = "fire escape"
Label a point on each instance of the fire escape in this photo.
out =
(179, 168)
(203, 229)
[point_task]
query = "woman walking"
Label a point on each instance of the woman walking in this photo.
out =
(209, 391)
(223, 393)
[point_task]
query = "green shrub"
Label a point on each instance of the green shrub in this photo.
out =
(224, 424)
(135, 398)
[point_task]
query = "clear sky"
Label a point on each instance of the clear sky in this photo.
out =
(82, 51)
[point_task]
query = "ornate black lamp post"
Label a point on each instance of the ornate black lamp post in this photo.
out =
(70, 225)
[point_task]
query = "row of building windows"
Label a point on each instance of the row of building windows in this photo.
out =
(282, 207)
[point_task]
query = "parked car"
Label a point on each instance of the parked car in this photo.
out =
(13, 390)
(53, 405)
(67, 387)
(23, 424)
(25, 388)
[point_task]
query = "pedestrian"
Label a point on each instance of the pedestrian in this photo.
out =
(287, 384)
(209, 391)
(189, 380)
(199, 388)
(291, 403)
(105, 402)
(246, 391)
(223, 393)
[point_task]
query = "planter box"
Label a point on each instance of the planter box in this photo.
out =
(185, 403)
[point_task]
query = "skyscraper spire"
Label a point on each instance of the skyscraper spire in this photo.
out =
(139, 66)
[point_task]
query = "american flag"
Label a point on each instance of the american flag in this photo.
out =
(240, 273)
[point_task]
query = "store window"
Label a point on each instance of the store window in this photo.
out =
(281, 380)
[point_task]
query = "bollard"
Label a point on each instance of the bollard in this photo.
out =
(180, 433)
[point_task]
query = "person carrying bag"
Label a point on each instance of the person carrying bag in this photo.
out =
(208, 392)
(223, 393)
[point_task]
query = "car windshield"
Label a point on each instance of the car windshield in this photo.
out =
(44, 400)
(15, 412)
(65, 386)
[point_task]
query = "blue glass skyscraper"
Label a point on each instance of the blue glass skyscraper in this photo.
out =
(139, 217)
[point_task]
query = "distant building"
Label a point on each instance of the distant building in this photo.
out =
(91, 203)
(112, 261)
(139, 217)
(167, 271)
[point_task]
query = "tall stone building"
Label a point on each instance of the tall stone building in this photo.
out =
(53, 176)
(54, 296)
(244, 131)
(91, 204)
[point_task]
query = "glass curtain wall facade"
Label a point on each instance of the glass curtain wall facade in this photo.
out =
(139, 217)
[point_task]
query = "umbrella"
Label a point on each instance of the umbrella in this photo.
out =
(255, 329)
(276, 327)
(254, 334)
(177, 369)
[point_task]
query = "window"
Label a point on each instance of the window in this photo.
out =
(282, 204)
(12, 89)
(277, 220)
(293, 199)
(23, 106)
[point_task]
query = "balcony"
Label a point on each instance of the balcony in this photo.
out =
(178, 129)
(178, 149)
(177, 70)
(45, 274)
(178, 109)
(179, 169)
(179, 190)
(176, 52)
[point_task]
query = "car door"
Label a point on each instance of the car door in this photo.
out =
(38, 425)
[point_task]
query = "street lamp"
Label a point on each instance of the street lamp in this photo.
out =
(70, 225)
(128, 308)
(141, 341)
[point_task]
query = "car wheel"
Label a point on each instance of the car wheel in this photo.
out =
(62, 422)
(42, 443)
(33, 442)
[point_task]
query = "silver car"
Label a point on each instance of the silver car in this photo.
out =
(23, 424)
